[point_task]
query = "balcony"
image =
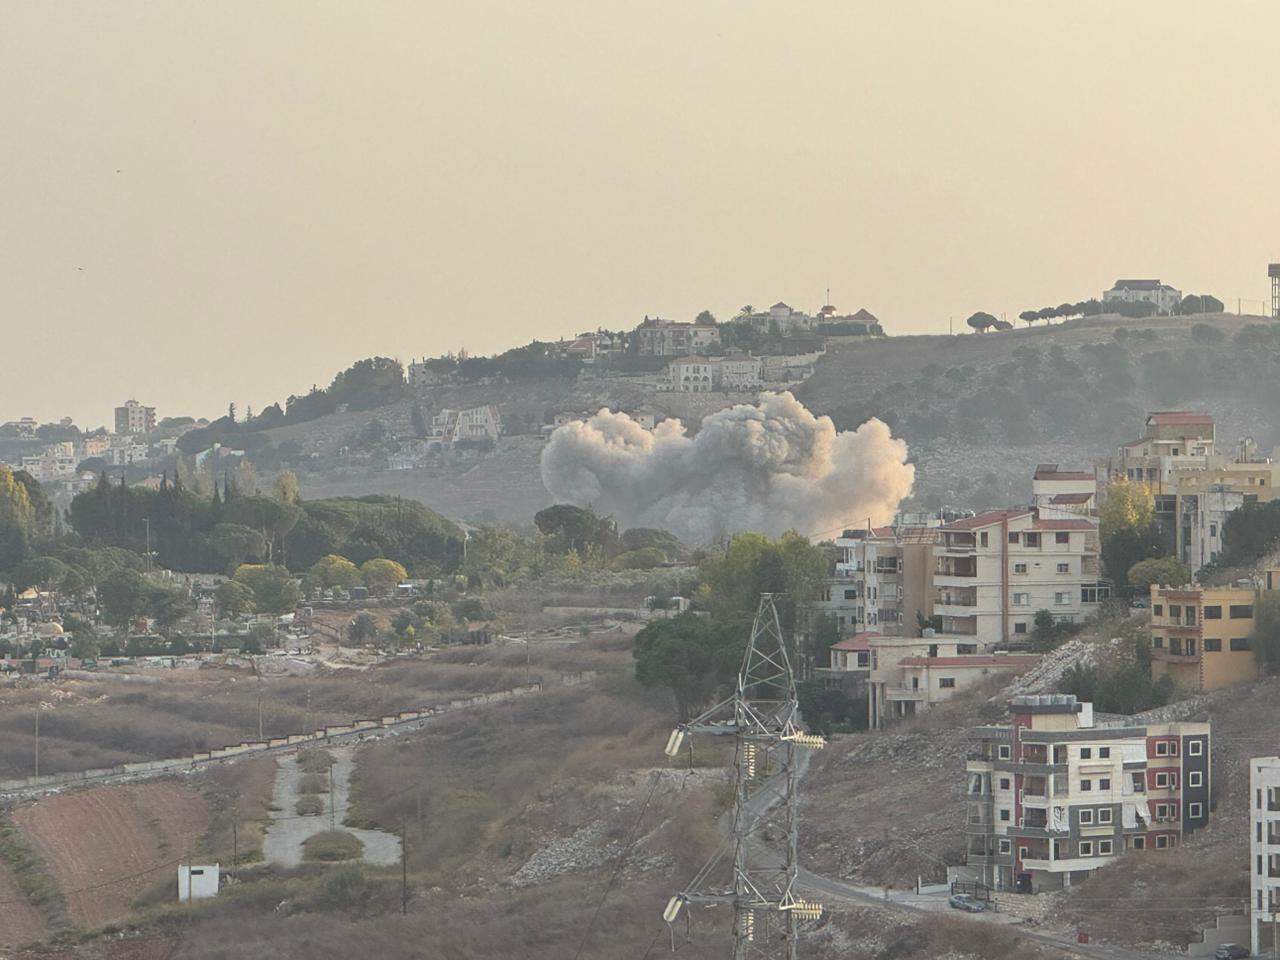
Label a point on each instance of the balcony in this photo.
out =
(903, 693)
(1173, 656)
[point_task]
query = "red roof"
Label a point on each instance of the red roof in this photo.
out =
(1071, 498)
(988, 519)
(1179, 418)
(1050, 471)
(1011, 660)
(859, 641)
(1080, 524)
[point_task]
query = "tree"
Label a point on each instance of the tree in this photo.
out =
(1249, 532)
(39, 572)
(362, 628)
(234, 599)
(419, 420)
(233, 544)
(1157, 570)
(575, 529)
(706, 317)
(17, 519)
(274, 589)
(286, 489)
(981, 322)
(333, 571)
(1045, 632)
(382, 576)
(168, 607)
(1265, 641)
(264, 636)
(1126, 504)
(1128, 530)
(1206, 333)
(1029, 316)
(690, 656)
(122, 597)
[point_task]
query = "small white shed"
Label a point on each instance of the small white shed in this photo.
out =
(196, 882)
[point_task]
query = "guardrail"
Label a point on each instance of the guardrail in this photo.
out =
(333, 733)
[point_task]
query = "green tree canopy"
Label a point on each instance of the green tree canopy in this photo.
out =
(573, 528)
(689, 655)
(274, 589)
(234, 598)
(1250, 532)
(232, 544)
(122, 596)
(1158, 570)
(362, 628)
(333, 571)
(382, 575)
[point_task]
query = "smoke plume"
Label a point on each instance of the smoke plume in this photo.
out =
(772, 467)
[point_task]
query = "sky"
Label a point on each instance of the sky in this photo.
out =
(214, 202)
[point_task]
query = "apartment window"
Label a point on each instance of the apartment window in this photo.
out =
(1195, 810)
(1104, 753)
(1212, 645)
(947, 683)
(1158, 642)
(1086, 848)
(1086, 753)
(1019, 628)
(1139, 843)
(1195, 748)
(982, 538)
(1104, 848)
(1061, 599)
(1213, 529)
(1104, 783)
(1022, 599)
(1175, 612)
(1062, 537)
(1195, 779)
(1158, 609)
(1104, 815)
(1162, 811)
(1139, 782)
(1013, 538)
(1191, 647)
(1064, 568)
(1086, 784)
(1086, 817)
(1033, 539)
(1162, 748)
(1005, 846)
(1191, 616)
(1213, 612)
(1162, 842)
(1240, 611)
(851, 594)
(1019, 568)
(1239, 643)
(1004, 783)
(1002, 751)
(1004, 816)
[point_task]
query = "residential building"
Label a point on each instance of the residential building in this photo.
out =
(1064, 492)
(1173, 440)
(850, 665)
(656, 337)
(26, 427)
(133, 417)
(690, 375)
(1163, 296)
(883, 580)
(909, 675)
(53, 462)
(1054, 794)
(1264, 855)
(477, 424)
(1200, 636)
(740, 374)
(995, 571)
(94, 446)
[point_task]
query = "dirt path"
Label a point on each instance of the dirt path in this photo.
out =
(287, 831)
(22, 922)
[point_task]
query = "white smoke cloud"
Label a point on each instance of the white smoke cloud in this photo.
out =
(772, 467)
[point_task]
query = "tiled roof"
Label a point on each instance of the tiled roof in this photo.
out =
(1050, 524)
(1138, 285)
(1050, 471)
(990, 518)
(1071, 498)
(1179, 418)
(1011, 660)
(859, 641)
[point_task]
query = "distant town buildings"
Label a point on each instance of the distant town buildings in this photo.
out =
(133, 417)
(477, 424)
(707, 374)
(1161, 295)
(656, 337)
(1054, 794)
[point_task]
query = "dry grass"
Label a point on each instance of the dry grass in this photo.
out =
(330, 846)
(310, 806)
(238, 793)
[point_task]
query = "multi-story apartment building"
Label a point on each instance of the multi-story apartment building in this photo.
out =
(456, 426)
(1054, 795)
(883, 580)
(1161, 295)
(1264, 855)
(910, 674)
(1200, 636)
(995, 571)
(705, 374)
(1173, 440)
(54, 461)
(656, 337)
(133, 417)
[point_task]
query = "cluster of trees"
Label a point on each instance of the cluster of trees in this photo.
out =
(187, 532)
(1131, 536)
(570, 530)
(26, 516)
(1122, 683)
(1198, 303)
(1249, 533)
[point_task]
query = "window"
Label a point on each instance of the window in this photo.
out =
(1104, 815)
(1032, 539)
(1013, 538)
(1239, 643)
(1022, 599)
(1195, 748)
(1086, 753)
(1139, 843)
(1158, 609)
(851, 594)
(1061, 599)
(1019, 628)
(1139, 782)
(1064, 568)
(1002, 751)
(1240, 611)
(963, 648)
(1005, 846)
(1104, 753)
(1062, 537)
(1162, 811)
(1175, 611)
(1212, 645)
(1086, 784)
(982, 538)
(1162, 780)
(1195, 779)
(1104, 783)
(1086, 848)
(947, 683)
(1213, 529)
(1019, 568)
(1213, 612)
(1104, 848)
(1086, 817)
(1158, 642)
(1004, 783)
(1004, 816)
(1195, 810)
(1191, 616)
(1162, 748)
(1162, 842)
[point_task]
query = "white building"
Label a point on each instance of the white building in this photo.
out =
(198, 882)
(1162, 295)
(740, 374)
(706, 374)
(1264, 853)
(133, 417)
(474, 424)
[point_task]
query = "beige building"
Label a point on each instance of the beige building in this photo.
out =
(883, 580)
(656, 337)
(133, 417)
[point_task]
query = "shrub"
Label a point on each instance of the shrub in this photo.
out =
(314, 783)
(330, 846)
(315, 760)
(309, 806)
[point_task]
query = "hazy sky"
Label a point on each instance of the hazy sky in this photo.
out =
(204, 202)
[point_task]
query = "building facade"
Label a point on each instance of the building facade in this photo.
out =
(656, 337)
(133, 417)
(1162, 296)
(1054, 795)
(1264, 855)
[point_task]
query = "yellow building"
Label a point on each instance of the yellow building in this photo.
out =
(1200, 635)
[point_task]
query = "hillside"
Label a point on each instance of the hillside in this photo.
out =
(976, 410)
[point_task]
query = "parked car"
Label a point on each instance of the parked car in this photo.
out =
(1231, 951)
(962, 901)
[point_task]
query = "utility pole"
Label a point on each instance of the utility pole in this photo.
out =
(762, 717)
(333, 806)
(235, 844)
(404, 868)
(37, 735)
(259, 714)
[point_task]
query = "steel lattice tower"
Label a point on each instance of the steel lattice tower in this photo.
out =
(761, 716)
(1273, 271)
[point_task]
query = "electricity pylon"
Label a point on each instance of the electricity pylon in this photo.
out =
(761, 717)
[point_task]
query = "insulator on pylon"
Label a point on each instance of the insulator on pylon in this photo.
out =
(804, 909)
(673, 909)
(674, 741)
(750, 752)
(749, 925)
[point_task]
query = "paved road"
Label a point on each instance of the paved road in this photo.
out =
(286, 831)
